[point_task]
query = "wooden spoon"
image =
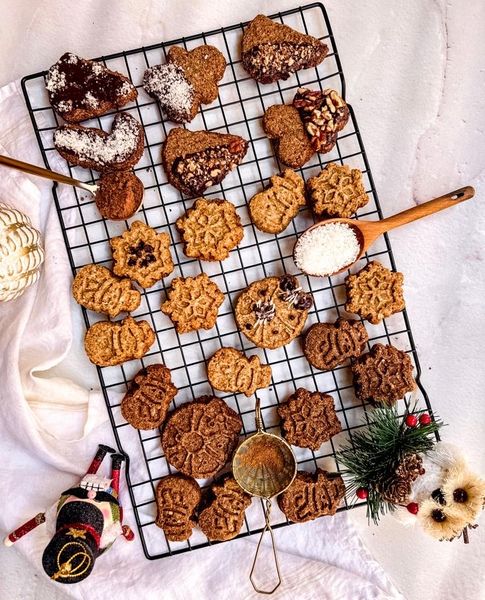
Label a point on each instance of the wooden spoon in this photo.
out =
(368, 231)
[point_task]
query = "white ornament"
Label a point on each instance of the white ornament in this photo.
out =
(21, 254)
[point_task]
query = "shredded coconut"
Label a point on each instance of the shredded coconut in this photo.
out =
(90, 100)
(168, 83)
(326, 249)
(89, 145)
(56, 79)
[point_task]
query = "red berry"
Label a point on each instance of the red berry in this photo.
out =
(411, 420)
(424, 419)
(413, 508)
(362, 493)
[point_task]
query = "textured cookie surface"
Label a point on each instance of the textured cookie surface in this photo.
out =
(271, 312)
(383, 375)
(81, 89)
(312, 495)
(97, 289)
(272, 51)
(148, 399)
(309, 419)
(337, 191)
(328, 345)
(222, 515)
(177, 498)
(324, 114)
(229, 370)
(188, 79)
(197, 160)
(210, 229)
(119, 195)
(273, 209)
(93, 148)
(107, 343)
(374, 292)
(283, 125)
(142, 254)
(193, 303)
(199, 437)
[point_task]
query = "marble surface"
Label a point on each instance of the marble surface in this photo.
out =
(415, 75)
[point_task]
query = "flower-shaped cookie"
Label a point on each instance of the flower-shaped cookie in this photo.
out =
(374, 292)
(309, 419)
(210, 229)
(142, 254)
(193, 303)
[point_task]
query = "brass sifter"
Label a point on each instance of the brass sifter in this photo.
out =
(264, 466)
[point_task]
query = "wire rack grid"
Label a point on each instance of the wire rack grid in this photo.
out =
(238, 110)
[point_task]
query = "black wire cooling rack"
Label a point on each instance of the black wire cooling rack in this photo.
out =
(238, 110)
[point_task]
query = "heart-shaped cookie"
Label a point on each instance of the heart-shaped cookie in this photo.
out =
(185, 81)
(93, 148)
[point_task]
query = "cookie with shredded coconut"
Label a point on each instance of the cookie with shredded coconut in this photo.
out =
(93, 148)
(81, 89)
(272, 312)
(185, 81)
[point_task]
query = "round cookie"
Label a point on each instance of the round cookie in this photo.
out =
(119, 195)
(199, 437)
(272, 312)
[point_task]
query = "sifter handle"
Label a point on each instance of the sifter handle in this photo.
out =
(257, 415)
(267, 527)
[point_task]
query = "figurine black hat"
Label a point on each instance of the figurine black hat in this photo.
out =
(70, 555)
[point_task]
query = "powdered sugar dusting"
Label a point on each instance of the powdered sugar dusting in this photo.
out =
(87, 144)
(326, 249)
(169, 85)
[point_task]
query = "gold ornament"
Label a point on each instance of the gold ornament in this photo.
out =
(21, 253)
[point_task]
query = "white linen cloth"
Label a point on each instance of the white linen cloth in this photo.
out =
(51, 425)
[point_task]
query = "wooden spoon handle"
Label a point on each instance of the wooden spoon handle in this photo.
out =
(40, 172)
(427, 208)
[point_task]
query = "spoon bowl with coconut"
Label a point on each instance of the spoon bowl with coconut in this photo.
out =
(334, 245)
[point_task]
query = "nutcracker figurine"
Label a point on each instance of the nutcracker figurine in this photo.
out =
(87, 518)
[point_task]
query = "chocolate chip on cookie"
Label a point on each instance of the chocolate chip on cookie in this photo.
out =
(142, 254)
(271, 312)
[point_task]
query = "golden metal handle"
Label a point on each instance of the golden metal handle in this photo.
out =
(19, 165)
(257, 416)
(267, 527)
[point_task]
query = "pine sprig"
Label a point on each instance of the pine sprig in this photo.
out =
(375, 452)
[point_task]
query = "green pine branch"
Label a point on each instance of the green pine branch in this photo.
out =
(375, 451)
